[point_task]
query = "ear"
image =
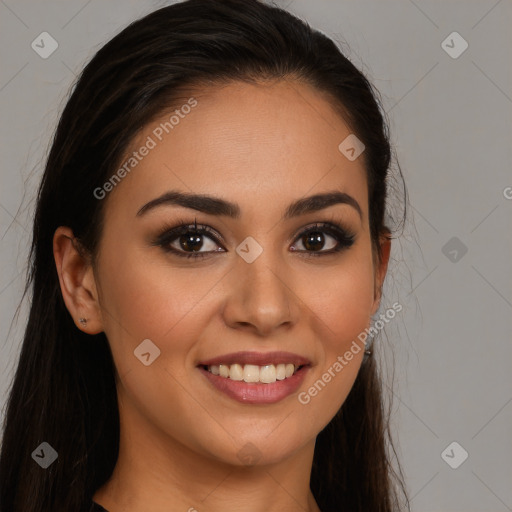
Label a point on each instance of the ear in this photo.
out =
(77, 281)
(381, 268)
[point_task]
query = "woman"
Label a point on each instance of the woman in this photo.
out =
(209, 249)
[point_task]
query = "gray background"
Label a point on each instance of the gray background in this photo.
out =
(451, 126)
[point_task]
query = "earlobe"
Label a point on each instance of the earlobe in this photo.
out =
(77, 281)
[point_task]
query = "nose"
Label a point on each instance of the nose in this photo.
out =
(261, 298)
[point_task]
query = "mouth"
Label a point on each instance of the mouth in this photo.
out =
(256, 378)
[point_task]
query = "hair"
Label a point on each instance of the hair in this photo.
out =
(63, 391)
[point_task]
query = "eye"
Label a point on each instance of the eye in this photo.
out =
(187, 240)
(313, 239)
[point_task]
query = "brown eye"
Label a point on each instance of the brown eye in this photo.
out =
(188, 240)
(313, 241)
(315, 238)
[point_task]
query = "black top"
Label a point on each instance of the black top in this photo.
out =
(95, 507)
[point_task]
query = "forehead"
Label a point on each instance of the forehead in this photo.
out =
(264, 144)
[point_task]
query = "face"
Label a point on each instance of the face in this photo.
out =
(269, 279)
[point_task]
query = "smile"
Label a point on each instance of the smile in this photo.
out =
(252, 373)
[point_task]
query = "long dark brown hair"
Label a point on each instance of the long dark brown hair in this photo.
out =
(64, 390)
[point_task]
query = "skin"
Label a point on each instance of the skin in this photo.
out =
(262, 146)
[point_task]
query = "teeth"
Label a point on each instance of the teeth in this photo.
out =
(252, 373)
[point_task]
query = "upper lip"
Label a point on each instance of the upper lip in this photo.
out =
(257, 358)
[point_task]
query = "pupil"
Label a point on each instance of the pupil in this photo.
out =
(191, 242)
(314, 240)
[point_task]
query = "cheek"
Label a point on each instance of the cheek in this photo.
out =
(342, 299)
(143, 299)
(342, 311)
(347, 306)
(146, 300)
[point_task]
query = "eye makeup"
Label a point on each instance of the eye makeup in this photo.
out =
(189, 235)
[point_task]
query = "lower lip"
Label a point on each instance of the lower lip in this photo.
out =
(257, 393)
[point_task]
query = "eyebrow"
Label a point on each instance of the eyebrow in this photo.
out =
(216, 206)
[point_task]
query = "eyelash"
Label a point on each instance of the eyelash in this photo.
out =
(344, 238)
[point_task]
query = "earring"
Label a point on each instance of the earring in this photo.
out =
(368, 352)
(83, 321)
